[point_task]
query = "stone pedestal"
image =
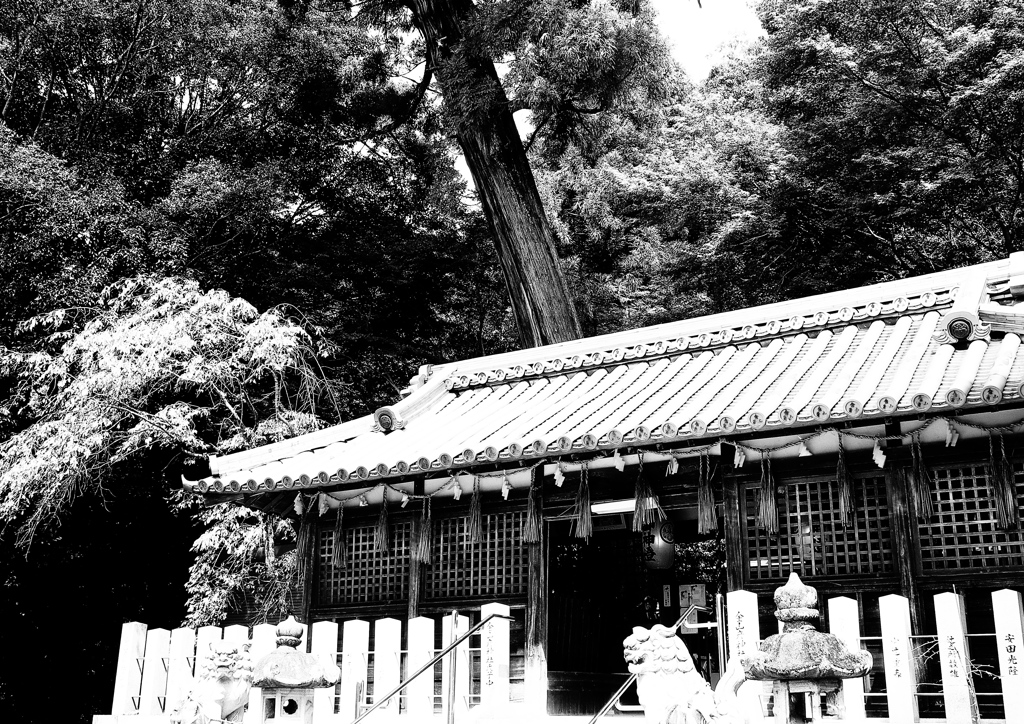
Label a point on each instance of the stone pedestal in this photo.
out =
(788, 693)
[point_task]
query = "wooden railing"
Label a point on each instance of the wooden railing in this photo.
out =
(950, 676)
(156, 666)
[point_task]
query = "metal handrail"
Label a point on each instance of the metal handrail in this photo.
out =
(430, 664)
(632, 677)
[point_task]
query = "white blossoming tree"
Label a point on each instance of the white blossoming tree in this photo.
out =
(146, 383)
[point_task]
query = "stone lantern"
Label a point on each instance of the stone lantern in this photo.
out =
(288, 676)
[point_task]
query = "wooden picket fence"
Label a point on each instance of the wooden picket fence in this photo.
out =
(929, 679)
(155, 668)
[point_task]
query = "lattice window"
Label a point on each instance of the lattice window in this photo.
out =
(496, 566)
(369, 576)
(964, 532)
(812, 541)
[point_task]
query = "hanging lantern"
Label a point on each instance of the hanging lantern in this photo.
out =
(659, 549)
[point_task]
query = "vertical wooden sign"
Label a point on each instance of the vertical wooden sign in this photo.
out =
(900, 674)
(955, 659)
(744, 637)
(1009, 615)
(844, 623)
(455, 684)
(495, 644)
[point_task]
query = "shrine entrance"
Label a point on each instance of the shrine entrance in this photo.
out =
(600, 589)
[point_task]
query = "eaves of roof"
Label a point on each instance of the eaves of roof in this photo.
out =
(939, 342)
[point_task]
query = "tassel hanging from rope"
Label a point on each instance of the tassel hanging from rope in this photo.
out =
(380, 536)
(303, 548)
(339, 555)
(268, 538)
(532, 525)
(922, 480)
(845, 481)
(647, 509)
(767, 507)
(581, 510)
(475, 524)
(706, 520)
(424, 544)
(1002, 483)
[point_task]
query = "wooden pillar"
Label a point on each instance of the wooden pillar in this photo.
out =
(415, 566)
(734, 521)
(536, 674)
(902, 523)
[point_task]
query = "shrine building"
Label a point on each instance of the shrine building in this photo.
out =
(865, 439)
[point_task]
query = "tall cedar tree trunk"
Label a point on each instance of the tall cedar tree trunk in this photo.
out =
(494, 153)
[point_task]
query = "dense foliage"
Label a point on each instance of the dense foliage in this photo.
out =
(300, 159)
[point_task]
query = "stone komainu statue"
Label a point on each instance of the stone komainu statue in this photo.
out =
(670, 688)
(221, 689)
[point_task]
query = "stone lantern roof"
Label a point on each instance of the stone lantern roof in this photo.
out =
(288, 668)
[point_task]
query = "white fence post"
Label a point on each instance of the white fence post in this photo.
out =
(844, 623)
(452, 627)
(128, 680)
(955, 658)
(419, 695)
(1009, 615)
(264, 640)
(744, 637)
(205, 635)
(152, 695)
(324, 642)
(236, 634)
(180, 664)
(495, 651)
(387, 666)
(900, 671)
(356, 645)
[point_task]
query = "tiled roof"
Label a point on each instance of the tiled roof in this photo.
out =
(944, 341)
